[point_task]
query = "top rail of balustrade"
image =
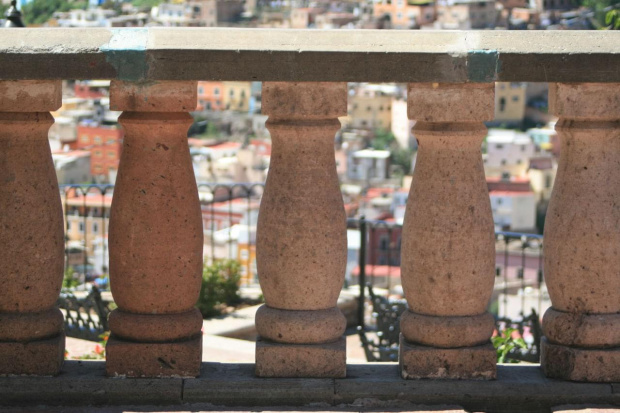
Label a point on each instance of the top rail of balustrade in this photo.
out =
(145, 54)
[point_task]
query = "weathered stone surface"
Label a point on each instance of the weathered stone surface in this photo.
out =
(580, 364)
(448, 242)
(155, 222)
(153, 96)
(31, 231)
(589, 101)
(155, 327)
(30, 95)
(83, 383)
(448, 246)
(422, 362)
(171, 53)
(582, 235)
(451, 102)
(301, 240)
(33, 357)
(301, 360)
(372, 386)
(30, 326)
(447, 332)
(168, 359)
(304, 100)
(237, 385)
(582, 330)
(156, 236)
(300, 327)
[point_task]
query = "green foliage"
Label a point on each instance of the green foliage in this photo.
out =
(220, 287)
(504, 344)
(40, 11)
(612, 19)
(70, 280)
(146, 3)
(383, 140)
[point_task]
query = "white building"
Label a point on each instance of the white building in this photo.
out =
(72, 167)
(368, 165)
(401, 124)
(508, 151)
(513, 210)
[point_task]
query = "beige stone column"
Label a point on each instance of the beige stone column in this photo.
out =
(32, 339)
(582, 237)
(155, 236)
(301, 235)
(448, 249)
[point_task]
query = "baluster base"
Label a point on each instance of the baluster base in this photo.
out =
(422, 362)
(167, 359)
(580, 364)
(328, 360)
(41, 357)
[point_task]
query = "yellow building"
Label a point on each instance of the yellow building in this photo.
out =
(237, 96)
(246, 254)
(370, 108)
(509, 102)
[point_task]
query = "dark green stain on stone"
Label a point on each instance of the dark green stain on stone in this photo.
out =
(483, 66)
(126, 52)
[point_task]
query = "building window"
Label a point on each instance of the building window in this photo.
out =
(232, 93)
(81, 227)
(502, 104)
(97, 154)
(503, 162)
(68, 226)
(515, 98)
(95, 227)
(216, 91)
(522, 148)
(97, 140)
(244, 255)
(201, 90)
(85, 139)
(111, 154)
(499, 146)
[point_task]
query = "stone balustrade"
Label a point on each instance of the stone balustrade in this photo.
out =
(448, 246)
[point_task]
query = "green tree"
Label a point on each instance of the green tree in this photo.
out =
(220, 287)
(40, 11)
(146, 3)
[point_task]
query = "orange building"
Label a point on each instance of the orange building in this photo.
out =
(406, 14)
(104, 144)
(210, 96)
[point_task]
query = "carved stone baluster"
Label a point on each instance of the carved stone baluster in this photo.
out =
(301, 235)
(155, 235)
(32, 339)
(448, 249)
(582, 237)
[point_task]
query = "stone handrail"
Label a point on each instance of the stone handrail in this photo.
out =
(310, 55)
(448, 247)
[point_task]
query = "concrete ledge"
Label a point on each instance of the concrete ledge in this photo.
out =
(310, 55)
(517, 389)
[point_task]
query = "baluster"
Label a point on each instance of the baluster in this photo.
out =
(301, 235)
(448, 252)
(582, 237)
(155, 235)
(32, 339)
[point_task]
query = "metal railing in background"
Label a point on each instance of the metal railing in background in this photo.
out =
(519, 297)
(229, 213)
